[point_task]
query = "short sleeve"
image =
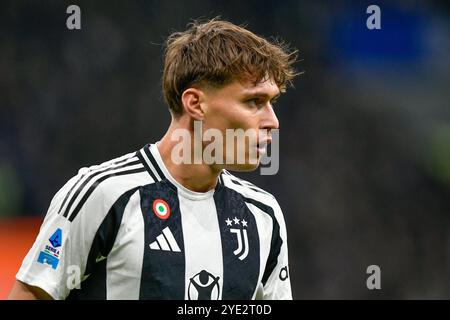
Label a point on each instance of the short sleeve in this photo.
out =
(58, 257)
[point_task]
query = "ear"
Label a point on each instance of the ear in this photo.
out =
(192, 99)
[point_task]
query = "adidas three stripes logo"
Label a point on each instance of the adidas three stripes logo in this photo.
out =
(165, 241)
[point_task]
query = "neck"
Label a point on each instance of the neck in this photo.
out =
(195, 177)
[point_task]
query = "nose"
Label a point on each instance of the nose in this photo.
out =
(269, 120)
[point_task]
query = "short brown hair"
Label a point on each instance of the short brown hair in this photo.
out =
(217, 53)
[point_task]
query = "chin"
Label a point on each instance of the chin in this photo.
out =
(242, 167)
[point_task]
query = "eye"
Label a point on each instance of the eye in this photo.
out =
(254, 102)
(261, 102)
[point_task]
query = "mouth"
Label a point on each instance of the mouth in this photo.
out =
(261, 146)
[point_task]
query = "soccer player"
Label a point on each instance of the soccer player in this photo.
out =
(147, 226)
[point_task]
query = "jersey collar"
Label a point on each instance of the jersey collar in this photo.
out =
(154, 164)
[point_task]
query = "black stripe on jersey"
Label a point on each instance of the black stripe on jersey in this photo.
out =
(260, 191)
(94, 185)
(94, 287)
(236, 182)
(241, 271)
(243, 183)
(154, 163)
(85, 182)
(147, 167)
(163, 272)
(249, 185)
(83, 175)
(276, 241)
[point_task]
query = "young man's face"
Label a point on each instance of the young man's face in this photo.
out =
(242, 105)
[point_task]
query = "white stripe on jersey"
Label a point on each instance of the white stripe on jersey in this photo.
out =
(149, 163)
(201, 216)
(265, 227)
(121, 264)
(109, 163)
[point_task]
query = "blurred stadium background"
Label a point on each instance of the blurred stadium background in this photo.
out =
(365, 136)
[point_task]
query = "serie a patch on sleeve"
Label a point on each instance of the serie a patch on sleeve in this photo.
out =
(50, 254)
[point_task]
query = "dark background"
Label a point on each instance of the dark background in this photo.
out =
(365, 135)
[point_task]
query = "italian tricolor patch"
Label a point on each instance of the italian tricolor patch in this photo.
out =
(161, 209)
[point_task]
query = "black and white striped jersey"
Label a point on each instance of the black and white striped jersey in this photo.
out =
(126, 229)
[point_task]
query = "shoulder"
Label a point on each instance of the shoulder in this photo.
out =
(251, 193)
(96, 188)
(245, 187)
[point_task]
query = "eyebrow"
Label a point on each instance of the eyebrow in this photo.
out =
(262, 95)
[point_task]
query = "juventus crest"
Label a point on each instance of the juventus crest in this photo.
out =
(239, 227)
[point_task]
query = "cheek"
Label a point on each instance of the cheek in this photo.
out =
(230, 115)
(244, 120)
(239, 117)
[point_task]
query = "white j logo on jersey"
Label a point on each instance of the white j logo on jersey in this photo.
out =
(242, 240)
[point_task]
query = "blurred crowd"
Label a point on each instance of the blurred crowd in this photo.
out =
(364, 136)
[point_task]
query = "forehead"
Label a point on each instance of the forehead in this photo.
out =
(264, 87)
